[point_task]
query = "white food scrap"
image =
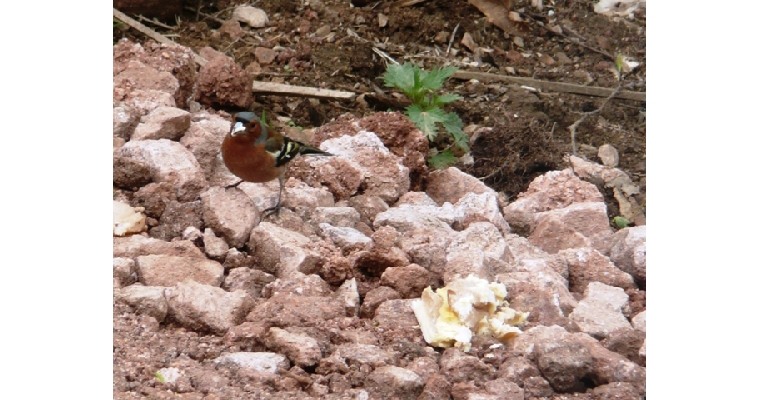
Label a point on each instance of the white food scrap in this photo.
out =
(127, 219)
(450, 315)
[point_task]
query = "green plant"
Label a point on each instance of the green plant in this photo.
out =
(620, 222)
(422, 89)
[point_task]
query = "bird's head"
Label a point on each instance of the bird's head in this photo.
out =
(248, 123)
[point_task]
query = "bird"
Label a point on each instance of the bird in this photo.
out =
(254, 152)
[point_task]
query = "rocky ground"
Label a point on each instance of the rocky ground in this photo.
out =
(211, 300)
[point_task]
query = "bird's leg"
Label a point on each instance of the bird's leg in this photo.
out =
(278, 206)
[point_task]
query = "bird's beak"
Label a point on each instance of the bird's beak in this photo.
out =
(237, 128)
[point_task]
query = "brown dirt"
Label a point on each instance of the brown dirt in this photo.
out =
(530, 130)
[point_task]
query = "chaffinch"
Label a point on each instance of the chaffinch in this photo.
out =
(255, 153)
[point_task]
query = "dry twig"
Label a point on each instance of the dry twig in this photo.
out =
(282, 89)
(552, 86)
(572, 128)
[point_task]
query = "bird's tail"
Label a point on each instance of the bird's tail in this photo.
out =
(291, 148)
(308, 150)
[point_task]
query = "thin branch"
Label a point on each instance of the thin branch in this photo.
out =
(552, 86)
(282, 89)
(575, 124)
(451, 41)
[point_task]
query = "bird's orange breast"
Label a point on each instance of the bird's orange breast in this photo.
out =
(249, 162)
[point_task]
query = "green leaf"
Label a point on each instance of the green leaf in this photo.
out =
(619, 62)
(453, 125)
(442, 159)
(425, 119)
(620, 222)
(159, 377)
(401, 77)
(434, 79)
(445, 98)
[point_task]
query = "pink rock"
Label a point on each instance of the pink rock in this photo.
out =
(335, 216)
(577, 225)
(553, 190)
(383, 173)
(147, 300)
(203, 307)
(124, 122)
(165, 57)
(136, 245)
(129, 172)
(451, 184)
(138, 76)
(616, 391)
(542, 303)
(416, 199)
(163, 270)
(154, 197)
(287, 309)
(564, 365)
(409, 281)
(601, 310)
(162, 123)
(339, 175)
(368, 207)
(123, 271)
(230, 213)
(355, 353)
(348, 239)
(169, 162)
(612, 177)
(300, 284)
(425, 367)
(264, 55)
(397, 315)
(504, 389)
(461, 262)
(204, 139)
(176, 218)
(586, 265)
(457, 366)
(232, 29)
(281, 252)
(396, 132)
(264, 362)
(348, 293)
(383, 253)
(517, 369)
(263, 195)
(537, 387)
(628, 251)
(250, 280)
(482, 207)
(302, 350)
(394, 382)
(374, 298)
(606, 366)
(298, 194)
(436, 387)
(626, 342)
(214, 247)
(145, 101)
(222, 83)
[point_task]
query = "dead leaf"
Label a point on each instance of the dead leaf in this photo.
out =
(496, 11)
